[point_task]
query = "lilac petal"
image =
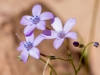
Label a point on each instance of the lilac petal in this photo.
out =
(38, 39)
(46, 16)
(21, 46)
(47, 32)
(34, 52)
(69, 24)
(30, 38)
(57, 43)
(41, 25)
(28, 29)
(48, 36)
(29, 34)
(36, 10)
(24, 55)
(52, 20)
(57, 25)
(72, 35)
(26, 20)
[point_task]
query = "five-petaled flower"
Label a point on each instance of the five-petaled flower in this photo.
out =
(28, 48)
(35, 21)
(60, 33)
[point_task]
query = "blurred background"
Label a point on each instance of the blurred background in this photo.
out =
(87, 14)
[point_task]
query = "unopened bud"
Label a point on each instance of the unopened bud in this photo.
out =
(76, 44)
(81, 46)
(96, 44)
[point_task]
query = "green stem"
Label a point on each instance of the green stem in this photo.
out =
(49, 66)
(53, 57)
(83, 55)
(70, 58)
(62, 59)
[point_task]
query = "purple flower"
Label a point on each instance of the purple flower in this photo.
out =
(60, 33)
(37, 20)
(28, 48)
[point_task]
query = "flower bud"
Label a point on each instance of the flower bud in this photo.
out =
(96, 44)
(76, 44)
(81, 46)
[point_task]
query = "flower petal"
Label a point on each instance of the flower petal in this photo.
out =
(46, 16)
(29, 34)
(49, 34)
(26, 20)
(36, 10)
(41, 25)
(21, 46)
(72, 35)
(30, 38)
(69, 24)
(57, 25)
(57, 43)
(28, 29)
(24, 55)
(34, 52)
(51, 20)
(38, 39)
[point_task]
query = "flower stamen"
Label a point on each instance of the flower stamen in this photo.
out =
(35, 20)
(28, 45)
(61, 34)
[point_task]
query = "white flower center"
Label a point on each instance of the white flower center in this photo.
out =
(61, 34)
(28, 45)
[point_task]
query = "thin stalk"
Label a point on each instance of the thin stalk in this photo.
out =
(73, 65)
(70, 58)
(83, 55)
(62, 59)
(49, 66)
(53, 56)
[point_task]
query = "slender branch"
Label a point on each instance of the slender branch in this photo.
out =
(53, 57)
(70, 58)
(49, 66)
(44, 55)
(83, 55)
(62, 59)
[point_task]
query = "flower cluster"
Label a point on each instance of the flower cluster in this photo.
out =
(59, 33)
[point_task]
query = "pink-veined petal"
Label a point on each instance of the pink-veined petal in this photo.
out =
(72, 35)
(24, 56)
(69, 24)
(41, 25)
(57, 25)
(46, 16)
(21, 46)
(36, 10)
(38, 39)
(30, 38)
(49, 34)
(26, 20)
(34, 52)
(29, 28)
(57, 43)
